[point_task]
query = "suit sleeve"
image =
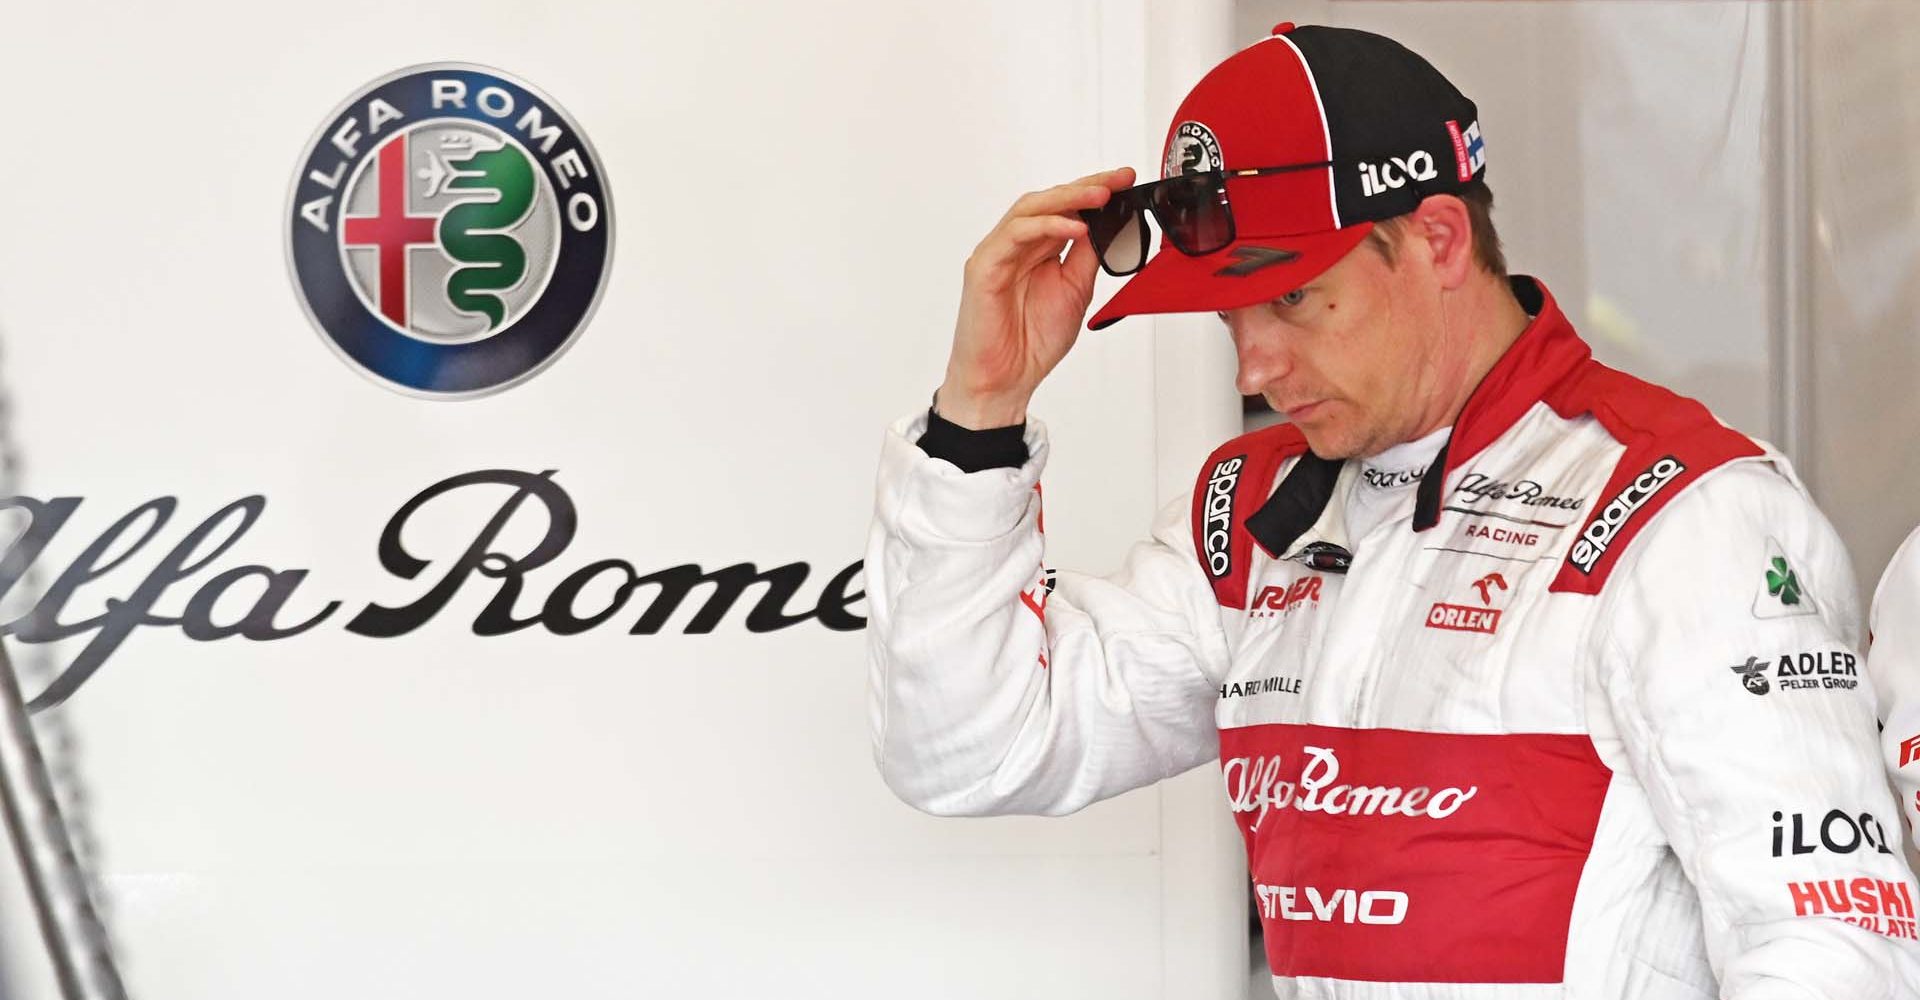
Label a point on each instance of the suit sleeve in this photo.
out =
(1895, 662)
(996, 687)
(1731, 668)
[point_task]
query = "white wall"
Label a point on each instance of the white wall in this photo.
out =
(1864, 124)
(597, 815)
(1625, 149)
(1633, 164)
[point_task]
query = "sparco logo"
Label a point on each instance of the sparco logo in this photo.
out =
(1218, 515)
(1395, 172)
(1346, 906)
(449, 231)
(1382, 479)
(1606, 523)
(1254, 785)
(1838, 833)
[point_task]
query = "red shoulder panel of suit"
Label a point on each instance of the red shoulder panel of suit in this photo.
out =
(1670, 440)
(1235, 482)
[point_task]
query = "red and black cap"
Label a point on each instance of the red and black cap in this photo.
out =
(1386, 128)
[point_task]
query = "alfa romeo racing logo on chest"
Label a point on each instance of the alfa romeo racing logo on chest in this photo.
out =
(449, 230)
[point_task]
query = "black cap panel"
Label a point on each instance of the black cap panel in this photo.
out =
(1400, 130)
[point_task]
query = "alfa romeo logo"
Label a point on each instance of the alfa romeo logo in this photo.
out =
(1192, 149)
(449, 230)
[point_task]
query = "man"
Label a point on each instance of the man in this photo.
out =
(1527, 678)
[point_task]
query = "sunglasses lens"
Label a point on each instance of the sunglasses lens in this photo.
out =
(1118, 231)
(1192, 209)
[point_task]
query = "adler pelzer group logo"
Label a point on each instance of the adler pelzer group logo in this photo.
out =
(449, 231)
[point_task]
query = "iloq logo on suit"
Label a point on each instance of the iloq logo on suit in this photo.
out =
(449, 231)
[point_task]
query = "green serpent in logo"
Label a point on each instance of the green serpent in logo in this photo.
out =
(494, 260)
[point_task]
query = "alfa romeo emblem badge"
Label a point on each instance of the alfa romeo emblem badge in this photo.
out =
(449, 231)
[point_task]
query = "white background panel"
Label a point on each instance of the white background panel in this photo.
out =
(794, 190)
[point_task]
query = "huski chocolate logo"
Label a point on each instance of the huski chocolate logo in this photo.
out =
(449, 231)
(281, 607)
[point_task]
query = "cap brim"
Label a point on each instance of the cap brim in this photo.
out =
(1246, 272)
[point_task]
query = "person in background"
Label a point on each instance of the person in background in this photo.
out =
(1894, 662)
(1527, 678)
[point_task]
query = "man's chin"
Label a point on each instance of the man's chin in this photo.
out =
(1326, 443)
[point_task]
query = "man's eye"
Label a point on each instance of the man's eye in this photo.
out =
(1293, 298)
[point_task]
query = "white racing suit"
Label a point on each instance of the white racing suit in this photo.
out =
(1582, 717)
(1895, 662)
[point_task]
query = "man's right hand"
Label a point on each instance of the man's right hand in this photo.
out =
(1021, 305)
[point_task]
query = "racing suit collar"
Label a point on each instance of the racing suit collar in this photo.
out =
(1297, 514)
(1294, 518)
(1547, 351)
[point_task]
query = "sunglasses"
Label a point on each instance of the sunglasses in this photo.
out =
(1192, 210)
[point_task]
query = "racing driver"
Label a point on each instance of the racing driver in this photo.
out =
(1527, 678)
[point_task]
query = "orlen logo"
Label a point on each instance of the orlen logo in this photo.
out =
(1254, 785)
(1272, 601)
(1219, 515)
(1458, 618)
(1395, 173)
(1346, 906)
(1461, 618)
(1606, 523)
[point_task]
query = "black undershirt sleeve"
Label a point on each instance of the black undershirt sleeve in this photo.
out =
(971, 450)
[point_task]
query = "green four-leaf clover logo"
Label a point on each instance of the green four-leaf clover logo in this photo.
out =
(1782, 583)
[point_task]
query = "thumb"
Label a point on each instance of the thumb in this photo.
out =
(1080, 267)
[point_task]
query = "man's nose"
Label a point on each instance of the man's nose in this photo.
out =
(1263, 358)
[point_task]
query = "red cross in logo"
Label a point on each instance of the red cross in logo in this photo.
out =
(392, 230)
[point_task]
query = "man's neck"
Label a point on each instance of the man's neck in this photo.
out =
(1486, 318)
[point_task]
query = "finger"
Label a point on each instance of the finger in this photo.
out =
(1080, 267)
(1091, 191)
(1115, 179)
(1029, 237)
(1063, 200)
(1014, 247)
(1042, 237)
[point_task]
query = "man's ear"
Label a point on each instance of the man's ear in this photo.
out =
(1444, 228)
